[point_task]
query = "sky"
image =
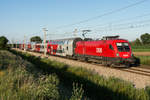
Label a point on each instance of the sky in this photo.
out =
(19, 18)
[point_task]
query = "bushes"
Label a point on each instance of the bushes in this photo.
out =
(20, 84)
(148, 89)
(77, 92)
(47, 87)
(96, 87)
(3, 43)
(21, 80)
(145, 60)
(17, 83)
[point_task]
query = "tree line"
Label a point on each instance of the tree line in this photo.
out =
(3, 42)
(143, 40)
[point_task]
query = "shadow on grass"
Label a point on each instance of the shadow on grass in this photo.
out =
(91, 89)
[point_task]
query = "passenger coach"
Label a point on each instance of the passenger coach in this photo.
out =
(110, 50)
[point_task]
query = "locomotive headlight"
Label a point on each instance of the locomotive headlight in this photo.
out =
(117, 54)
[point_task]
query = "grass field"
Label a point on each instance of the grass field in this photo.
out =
(142, 48)
(21, 80)
(95, 87)
(145, 60)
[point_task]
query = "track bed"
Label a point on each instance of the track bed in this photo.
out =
(139, 76)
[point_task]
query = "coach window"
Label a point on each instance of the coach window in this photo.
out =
(67, 48)
(68, 42)
(54, 50)
(111, 47)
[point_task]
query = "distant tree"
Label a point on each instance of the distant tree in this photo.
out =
(3, 42)
(36, 39)
(137, 42)
(145, 38)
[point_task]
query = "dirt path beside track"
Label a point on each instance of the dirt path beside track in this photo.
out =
(141, 53)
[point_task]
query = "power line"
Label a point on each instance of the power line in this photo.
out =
(98, 33)
(33, 34)
(104, 28)
(125, 26)
(105, 14)
(96, 17)
(121, 26)
(36, 33)
(120, 20)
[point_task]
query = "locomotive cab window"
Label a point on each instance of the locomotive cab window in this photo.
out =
(111, 47)
(123, 47)
(126, 46)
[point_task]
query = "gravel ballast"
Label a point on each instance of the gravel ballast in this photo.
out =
(140, 81)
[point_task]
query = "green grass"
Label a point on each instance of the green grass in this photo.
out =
(141, 48)
(96, 87)
(145, 60)
(21, 80)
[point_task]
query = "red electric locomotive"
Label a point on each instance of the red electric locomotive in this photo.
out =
(110, 50)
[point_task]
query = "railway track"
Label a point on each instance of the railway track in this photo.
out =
(139, 76)
(140, 70)
(136, 71)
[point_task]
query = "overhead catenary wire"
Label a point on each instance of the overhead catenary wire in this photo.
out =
(119, 21)
(100, 33)
(121, 26)
(105, 14)
(111, 12)
(94, 18)
(33, 34)
(126, 26)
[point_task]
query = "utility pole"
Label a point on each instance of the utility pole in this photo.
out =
(12, 43)
(75, 32)
(16, 44)
(45, 30)
(24, 43)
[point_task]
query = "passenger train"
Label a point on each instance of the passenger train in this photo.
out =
(110, 50)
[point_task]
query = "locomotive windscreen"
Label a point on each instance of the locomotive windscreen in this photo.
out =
(123, 47)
